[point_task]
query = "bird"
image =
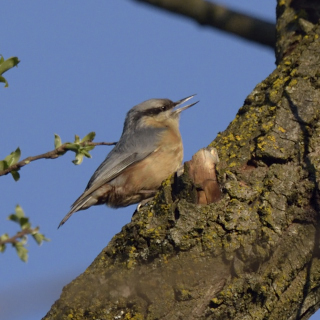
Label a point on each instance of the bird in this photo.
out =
(149, 150)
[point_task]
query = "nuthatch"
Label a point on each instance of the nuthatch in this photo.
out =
(149, 150)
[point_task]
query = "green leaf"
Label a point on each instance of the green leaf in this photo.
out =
(19, 212)
(19, 217)
(88, 148)
(76, 139)
(79, 159)
(5, 65)
(3, 79)
(21, 251)
(39, 237)
(86, 153)
(89, 137)
(2, 247)
(13, 157)
(3, 237)
(10, 160)
(15, 175)
(57, 141)
(3, 165)
(14, 218)
(24, 223)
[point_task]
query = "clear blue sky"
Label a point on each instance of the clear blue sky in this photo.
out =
(83, 65)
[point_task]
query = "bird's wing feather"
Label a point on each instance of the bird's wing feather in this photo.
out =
(128, 151)
(106, 174)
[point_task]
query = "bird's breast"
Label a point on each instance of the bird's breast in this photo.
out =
(148, 173)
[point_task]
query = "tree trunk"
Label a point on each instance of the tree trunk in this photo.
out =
(255, 253)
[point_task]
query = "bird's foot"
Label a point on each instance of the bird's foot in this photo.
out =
(143, 202)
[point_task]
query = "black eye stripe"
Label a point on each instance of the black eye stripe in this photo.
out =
(158, 110)
(136, 116)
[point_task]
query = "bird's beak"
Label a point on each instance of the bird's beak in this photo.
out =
(180, 102)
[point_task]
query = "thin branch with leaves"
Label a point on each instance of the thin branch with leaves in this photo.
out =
(19, 235)
(11, 164)
(19, 240)
(81, 147)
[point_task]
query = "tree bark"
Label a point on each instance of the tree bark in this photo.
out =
(255, 253)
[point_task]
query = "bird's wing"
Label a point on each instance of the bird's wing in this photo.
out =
(128, 151)
(108, 170)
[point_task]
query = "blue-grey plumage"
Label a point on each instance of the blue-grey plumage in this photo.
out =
(149, 150)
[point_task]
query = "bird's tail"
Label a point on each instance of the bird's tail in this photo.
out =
(78, 205)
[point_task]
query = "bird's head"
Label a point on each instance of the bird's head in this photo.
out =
(157, 112)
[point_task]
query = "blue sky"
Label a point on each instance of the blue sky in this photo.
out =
(83, 66)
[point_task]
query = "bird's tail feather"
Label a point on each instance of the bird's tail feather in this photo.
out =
(75, 207)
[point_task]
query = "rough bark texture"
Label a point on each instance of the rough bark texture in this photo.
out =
(255, 253)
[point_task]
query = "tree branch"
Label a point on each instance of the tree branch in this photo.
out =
(210, 14)
(19, 235)
(52, 155)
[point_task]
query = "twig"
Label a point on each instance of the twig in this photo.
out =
(217, 16)
(52, 155)
(19, 235)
